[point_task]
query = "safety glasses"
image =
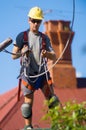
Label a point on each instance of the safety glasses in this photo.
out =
(35, 21)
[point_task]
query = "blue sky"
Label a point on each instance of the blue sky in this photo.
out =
(13, 19)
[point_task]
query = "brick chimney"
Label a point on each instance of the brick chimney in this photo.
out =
(63, 73)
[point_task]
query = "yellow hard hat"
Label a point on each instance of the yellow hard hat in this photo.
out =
(36, 13)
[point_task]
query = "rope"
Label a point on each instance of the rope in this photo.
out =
(6, 51)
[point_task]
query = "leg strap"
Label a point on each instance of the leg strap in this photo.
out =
(27, 85)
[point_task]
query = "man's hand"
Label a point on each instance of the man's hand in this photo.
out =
(25, 50)
(44, 53)
(49, 55)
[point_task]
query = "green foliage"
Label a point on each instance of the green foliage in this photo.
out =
(72, 116)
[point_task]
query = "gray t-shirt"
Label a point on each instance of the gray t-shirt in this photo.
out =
(35, 44)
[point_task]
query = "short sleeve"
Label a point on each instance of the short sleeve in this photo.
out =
(19, 40)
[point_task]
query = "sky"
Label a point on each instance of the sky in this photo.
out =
(13, 19)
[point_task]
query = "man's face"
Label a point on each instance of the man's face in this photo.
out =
(34, 24)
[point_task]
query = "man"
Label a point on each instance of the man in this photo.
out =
(34, 52)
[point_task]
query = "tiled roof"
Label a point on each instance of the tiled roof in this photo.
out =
(10, 115)
(9, 107)
(7, 101)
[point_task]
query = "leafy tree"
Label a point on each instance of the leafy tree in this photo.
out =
(72, 116)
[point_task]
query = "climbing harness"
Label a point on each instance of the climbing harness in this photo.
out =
(25, 61)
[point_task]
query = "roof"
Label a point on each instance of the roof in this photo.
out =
(10, 114)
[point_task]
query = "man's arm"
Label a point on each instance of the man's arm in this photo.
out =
(17, 52)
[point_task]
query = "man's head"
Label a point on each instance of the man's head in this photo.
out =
(35, 18)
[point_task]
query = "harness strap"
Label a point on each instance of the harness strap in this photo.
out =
(43, 41)
(49, 81)
(19, 89)
(25, 38)
(25, 41)
(27, 85)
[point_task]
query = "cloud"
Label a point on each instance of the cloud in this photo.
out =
(78, 74)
